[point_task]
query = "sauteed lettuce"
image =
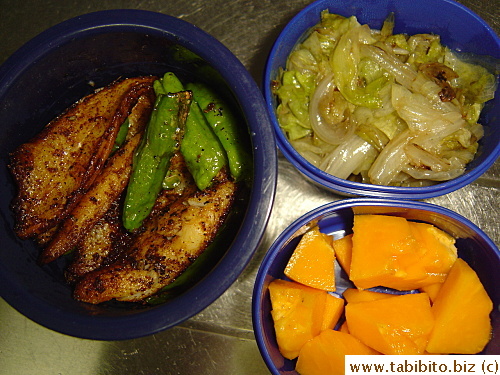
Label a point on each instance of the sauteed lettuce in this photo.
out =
(382, 108)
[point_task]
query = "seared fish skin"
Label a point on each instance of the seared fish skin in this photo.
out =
(106, 189)
(56, 167)
(107, 239)
(169, 242)
(99, 246)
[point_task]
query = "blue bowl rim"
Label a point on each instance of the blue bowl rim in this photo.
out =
(261, 197)
(343, 186)
(279, 242)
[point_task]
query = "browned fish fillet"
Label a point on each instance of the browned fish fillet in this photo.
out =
(43, 238)
(105, 190)
(107, 187)
(170, 242)
(138, 119)
(106, 238)
(56, 167)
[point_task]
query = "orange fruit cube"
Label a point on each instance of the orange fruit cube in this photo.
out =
(393, 252)
(343, 251)
(325, 354)
(334, 307)
(461, 310)
(396, 325)
(297, 312)
(313, 261)
(359, 295)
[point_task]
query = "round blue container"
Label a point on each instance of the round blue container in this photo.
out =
(460, 29)
(336, 218)
(63, 64)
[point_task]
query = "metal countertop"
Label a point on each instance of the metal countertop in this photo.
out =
(219, 340)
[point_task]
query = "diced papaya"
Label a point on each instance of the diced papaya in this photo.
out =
(334, 307)
(343, 251)
(431, 290)
(313, 261)
(437, 251)
(384, 253)
(461, 310)
(393, 252)
(297, 312)
(360, 295)
(325, 354)
(396, 325)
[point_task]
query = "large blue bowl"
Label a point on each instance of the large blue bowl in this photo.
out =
(51, 72)
(460, 29)
(336, 218)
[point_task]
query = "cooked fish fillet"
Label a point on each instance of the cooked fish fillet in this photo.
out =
(108, 238)
(105, 190)
(107, 187)
(170, 242)
(55, 168)
(100, 245)
(138, 119)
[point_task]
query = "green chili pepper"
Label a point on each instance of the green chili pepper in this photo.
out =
(200, 147)
(160, 141)
(158, 88)
(171, 83)
(225, 125)
(122, 134)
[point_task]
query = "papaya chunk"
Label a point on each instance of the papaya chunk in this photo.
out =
(437, 249)
(397, 325)
(297, 312)
(343, 251)
(461, 310)
(325, 354)
(393, 252)
(382, 245)
(334, 307)
(313, 261)
(359, 295)
(431, 290)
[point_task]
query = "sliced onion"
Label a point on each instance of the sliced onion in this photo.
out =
(391, 160)
(426, 174)
(421, 116)
(347, 157)
(308, 150)
(406, 76)
(389, 62)
(424, 159)
(326, 130)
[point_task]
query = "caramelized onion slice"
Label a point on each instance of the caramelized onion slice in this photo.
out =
(329, 113)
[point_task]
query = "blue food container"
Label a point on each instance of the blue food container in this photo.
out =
(336, 218)
(70, 60)
(460, 29)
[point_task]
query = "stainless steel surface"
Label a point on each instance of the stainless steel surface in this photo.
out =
(220, 339)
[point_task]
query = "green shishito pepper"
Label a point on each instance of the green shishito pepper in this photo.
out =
(224, 123)
(161, 140)
(122, 134)
(200, 147)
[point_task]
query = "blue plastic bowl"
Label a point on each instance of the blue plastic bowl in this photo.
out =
(460, 29)
(51, 72)
(336, 218)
